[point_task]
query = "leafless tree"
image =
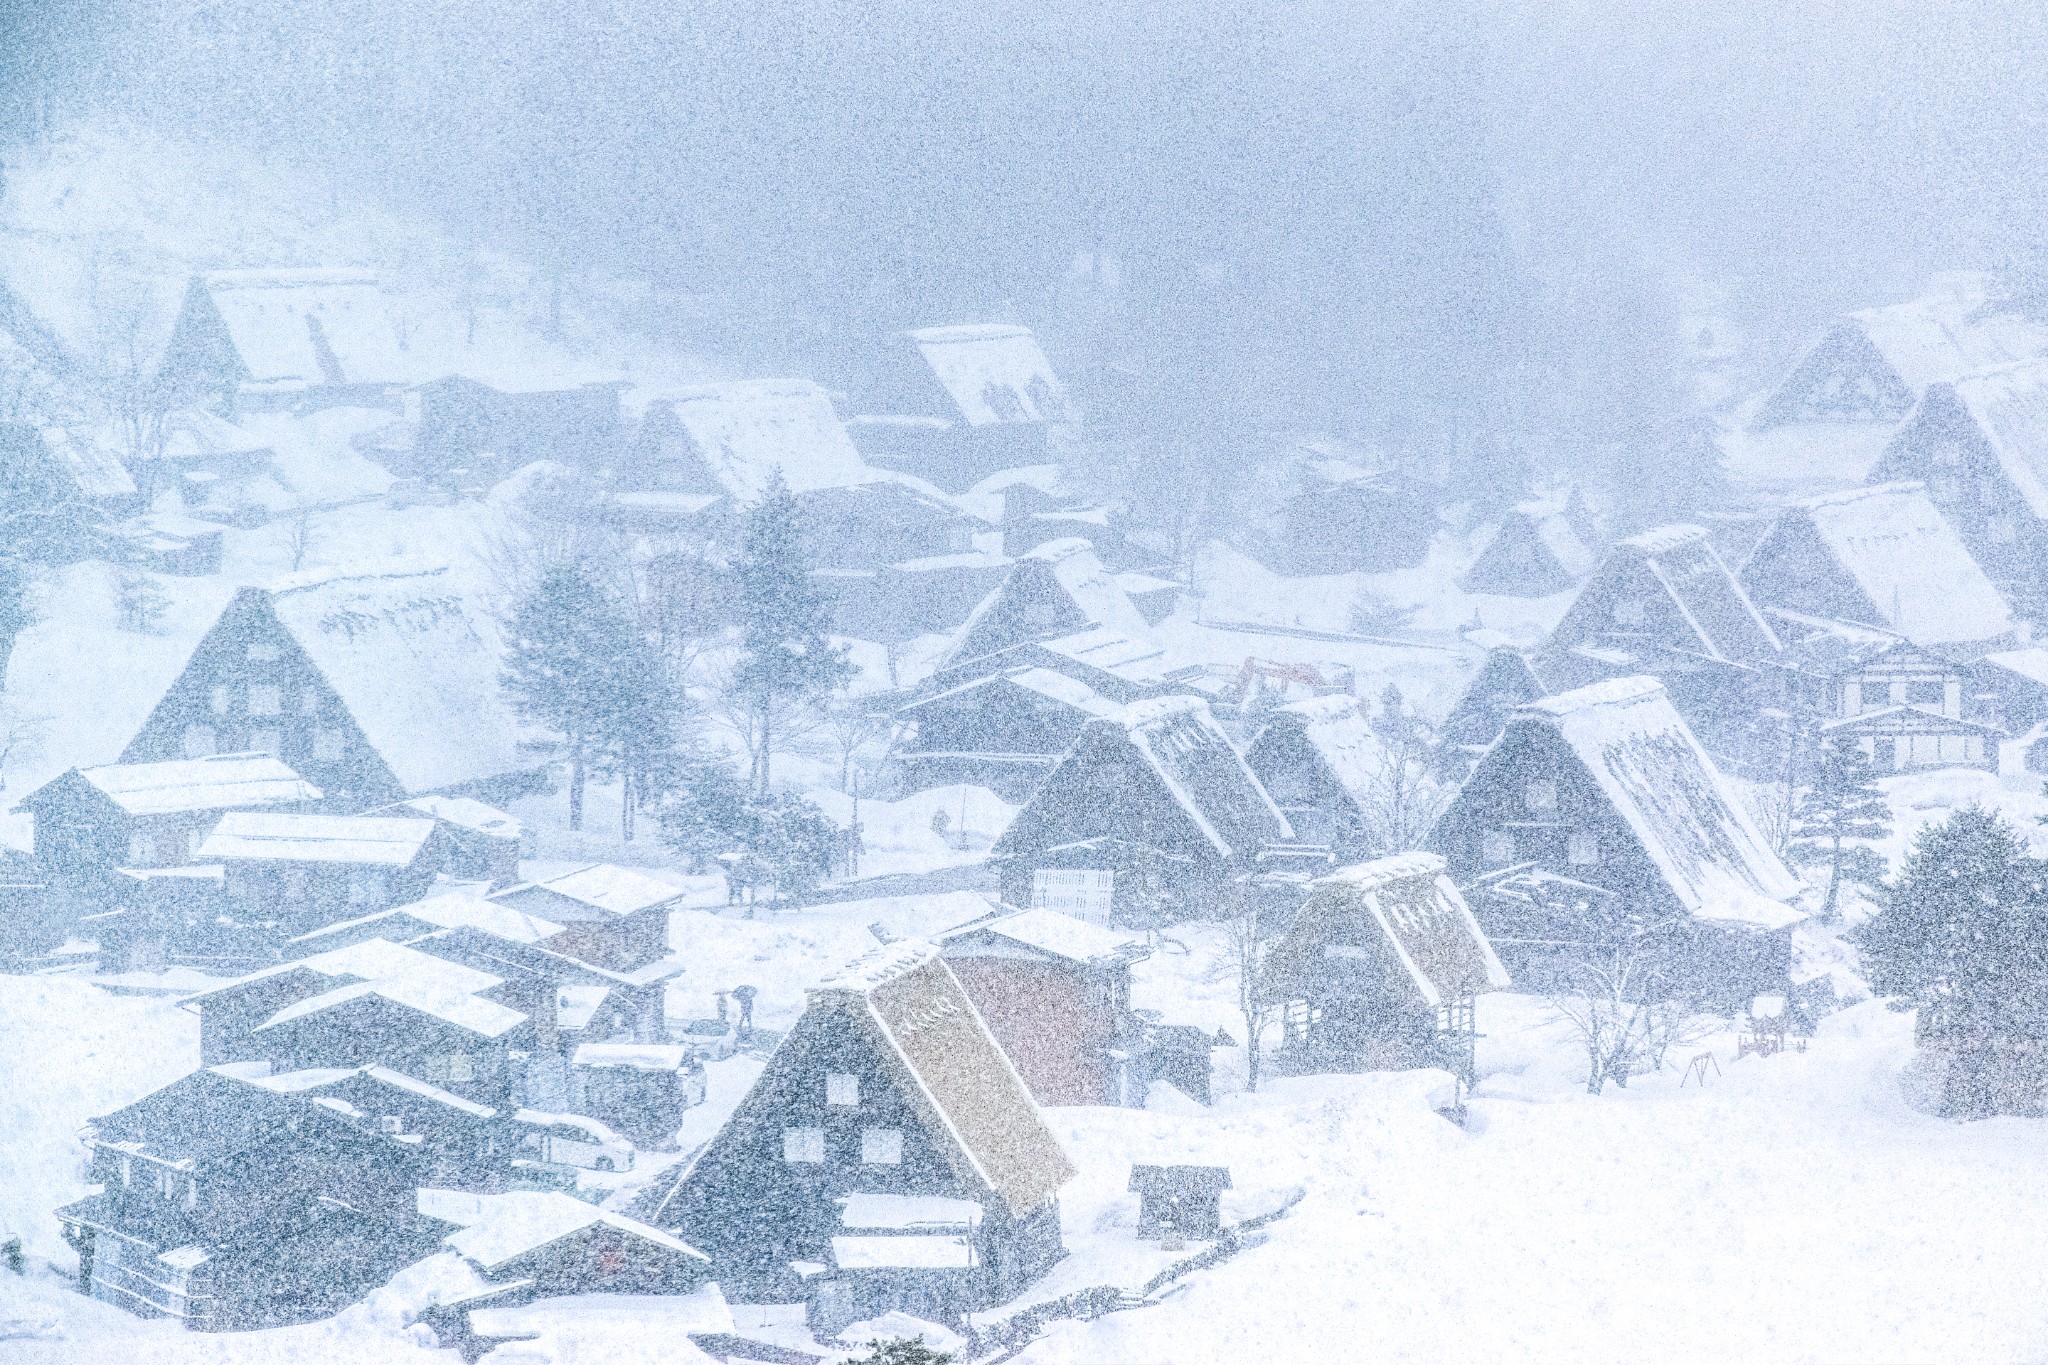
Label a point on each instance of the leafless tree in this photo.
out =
(859, 731)
(1252, 927)
(299, 537)
(1406, 788)
(1617, 997)
(140, 602)
(778, 724)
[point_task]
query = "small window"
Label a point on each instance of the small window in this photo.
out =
(368, 886)
(1542, 794)
(141, 849)
(459, 1067)
(803, 1144)
(390, 1123)
(1582, 849)
(199, 742)
(1924, 693)
(191, 1193)
(266, 699)
(327, 745)
(881, 1146)
(842, 1089)
(309, 702)
(264, 654)
(1085, 893)
(2002, 530)
(169, 1183)
(1497, 847)
(1630, 611)
(127, 1170)
(220, 701)
(267, 740)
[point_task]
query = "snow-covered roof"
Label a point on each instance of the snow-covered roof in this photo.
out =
(452, 910)
(416, 663)
(1058, 589)
(196, 434)
(1661, 783)
(1204, 773)
(1684, 563)
(1951, 332)
(93, 466)
(994, 374)
(373, 959)
(286, 836)
(2030, 663)
(411, 1085)
(1337, 729)
(293, 327)
(902, 1253)
(1403, 907)
(1133, 660)
(600, 886)
(497, 1228)
(965, 1081)
(473, 1013)
(1908, 560)
(631, 1056)
(1052, 933)
(465, 812)
(747, 429)
(1042, 681)
(2010, 406)
(219, 782)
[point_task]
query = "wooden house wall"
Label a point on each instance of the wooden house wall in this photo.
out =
(1057, 1020)
(1496, 802)
(754, 1211)
(208, 710)
(302, 897)
(1106, 792)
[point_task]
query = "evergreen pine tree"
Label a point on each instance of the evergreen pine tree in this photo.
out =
(574, 665)
(783, 622)
(1843, 803)
(1963, 932)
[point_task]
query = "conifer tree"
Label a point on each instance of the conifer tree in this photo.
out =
(785, 655)
(1842, 804)
(572, 666)
(1963, 932)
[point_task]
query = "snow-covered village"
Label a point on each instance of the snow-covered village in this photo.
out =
(786, 684)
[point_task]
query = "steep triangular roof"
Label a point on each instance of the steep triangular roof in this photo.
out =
(1679, 564)
(745, 430)
(305, 326)
(1400, 912)
(417, 663)
(1058, 589)
(1667, 791)
(1951, 331)
(994, 373)
(924, 1028)
(1901, 556)
(2009, 406)
(1336, 730)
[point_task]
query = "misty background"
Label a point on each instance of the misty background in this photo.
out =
(1473, 235)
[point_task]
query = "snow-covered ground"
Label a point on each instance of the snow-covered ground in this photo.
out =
(1793, 1208)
